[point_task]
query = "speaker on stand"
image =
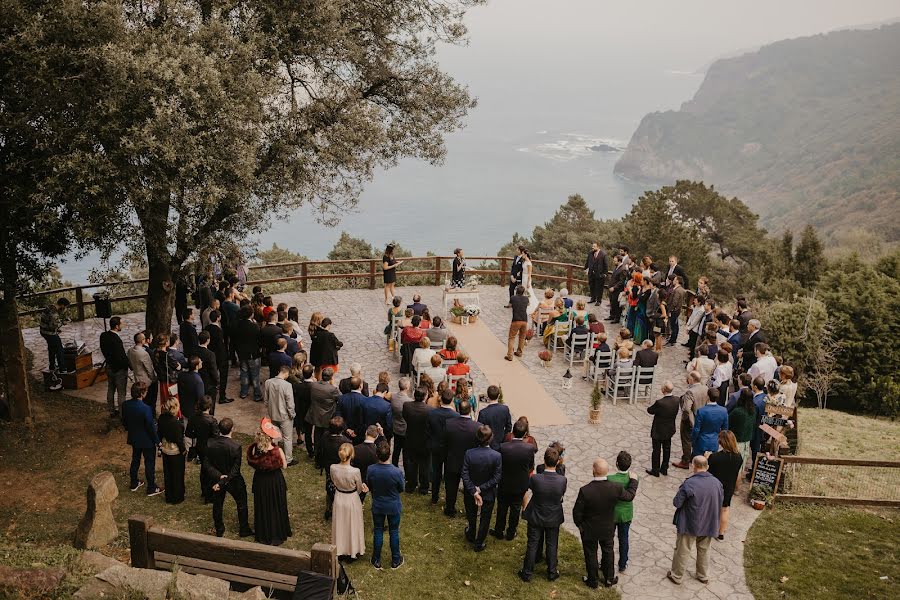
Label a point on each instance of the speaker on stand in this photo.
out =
(102, 307)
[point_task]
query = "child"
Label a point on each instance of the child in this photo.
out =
(624, 510)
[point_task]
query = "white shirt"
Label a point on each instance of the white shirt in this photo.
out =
(600, 478)
(764, 367)
(721, 374)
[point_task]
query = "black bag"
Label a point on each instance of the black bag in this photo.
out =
(313, 586)
(344, 585)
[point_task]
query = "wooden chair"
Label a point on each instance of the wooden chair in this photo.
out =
(598, 367)
(621, 385)
(643, 383)
(576, 349)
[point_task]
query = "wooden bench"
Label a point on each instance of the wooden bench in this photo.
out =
(271, 567)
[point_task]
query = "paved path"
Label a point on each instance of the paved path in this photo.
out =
(359, 317)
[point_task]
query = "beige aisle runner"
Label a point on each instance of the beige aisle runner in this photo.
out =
(522, 392)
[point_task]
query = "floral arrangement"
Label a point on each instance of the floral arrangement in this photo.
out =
(473, 281)
(469, 310)
(546, 356)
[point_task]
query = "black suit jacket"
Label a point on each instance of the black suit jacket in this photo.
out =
(545, 507)
(209, 373)
(223, 457)
(596, 267)
(518, 463)
(664, 412)
(217, 343)
(515, 271)
(344, 386)
(482, 469)
(437, 429)
(363, 457)
(245, 338)
(113, 351)
(416, 416)
(646, 357)
(189, 340)
(460, 438)
(749, 356)
(497, 417)
(594, 512)
(268, 337)
(679, 271)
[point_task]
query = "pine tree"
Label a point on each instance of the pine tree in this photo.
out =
(808, 258)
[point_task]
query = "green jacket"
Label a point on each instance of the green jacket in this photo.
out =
(624, 510)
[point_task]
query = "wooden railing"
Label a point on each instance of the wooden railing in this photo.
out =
(841, 481)
(370, 271)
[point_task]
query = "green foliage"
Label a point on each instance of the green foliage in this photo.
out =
(809, 258)
(796, 331)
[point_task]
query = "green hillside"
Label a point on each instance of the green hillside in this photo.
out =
(804, 130)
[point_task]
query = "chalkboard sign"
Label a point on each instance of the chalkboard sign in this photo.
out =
(774, 421)
(766, 472)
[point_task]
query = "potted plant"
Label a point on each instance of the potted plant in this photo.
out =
(760, 496)
(596, 397)
(463, 315)
(546, 356)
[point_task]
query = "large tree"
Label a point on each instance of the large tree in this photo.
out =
(215, 116)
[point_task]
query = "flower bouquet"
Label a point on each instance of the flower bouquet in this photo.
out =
(546, 356)
(463, 315)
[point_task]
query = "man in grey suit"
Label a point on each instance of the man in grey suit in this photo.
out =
(544, 515)
(323, 397)
(694, 398)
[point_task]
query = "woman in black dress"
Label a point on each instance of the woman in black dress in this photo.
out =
(458, 278)
(389, 266)
(725, 465)
(270, 513)
(171, 435)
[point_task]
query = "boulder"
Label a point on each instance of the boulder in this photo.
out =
(34, 581)
(256, 593)
(98, 527)
(96, 562)
(154, 585)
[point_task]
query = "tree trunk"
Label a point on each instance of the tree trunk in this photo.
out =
(160, 295)
(12, 350)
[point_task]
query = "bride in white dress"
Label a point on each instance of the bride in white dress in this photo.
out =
(528, 284)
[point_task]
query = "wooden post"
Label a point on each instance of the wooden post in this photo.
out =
(138, 534)
(304, 273)
(569, 282)
(504, 269)
(372, 274)
(79, 303)
(323, 559)
(437, 270)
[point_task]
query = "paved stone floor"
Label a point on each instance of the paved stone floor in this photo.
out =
(359, 317)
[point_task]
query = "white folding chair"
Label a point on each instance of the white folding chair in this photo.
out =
(542, 315)
(452, 379)
(643, 383)
(620, 385)
(437, 346)
(561, 331)
(575, 350)
(395, 334)
(600, 365)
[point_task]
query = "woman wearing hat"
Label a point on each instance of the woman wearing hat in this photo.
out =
(270, 513)
(389, 266)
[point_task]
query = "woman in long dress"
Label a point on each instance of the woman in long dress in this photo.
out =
(171, 436)
(270, 513)
(347, 529)
(527, 282)
(458, 277)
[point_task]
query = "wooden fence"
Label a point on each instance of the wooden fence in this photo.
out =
(841, 481)
(369, 271)
(271, 567)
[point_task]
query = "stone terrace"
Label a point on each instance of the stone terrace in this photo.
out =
(360, 316)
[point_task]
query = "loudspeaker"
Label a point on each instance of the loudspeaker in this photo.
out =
(102, 305)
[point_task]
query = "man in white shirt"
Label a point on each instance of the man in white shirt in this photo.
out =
(765, 365)
(279, 397)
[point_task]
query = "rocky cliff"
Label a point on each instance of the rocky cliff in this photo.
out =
(803, 130)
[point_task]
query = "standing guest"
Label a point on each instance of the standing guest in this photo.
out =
(617, 283)
(219, 348)
(202, 427)
(765, 364)
(702, 363)
(141, 364)
(743, 315)
(137, 417)
(759, 402)
(517, 458)
(436, 430)
(209, 372)
(674, 305)
(331, 455)
(481, 473)
(204, 314)
(624, 513)
(269, 333)
(664, 411)
(741, 420)
(301, 378)
(188, 333)
(171, 434)
(753, 336)
(594, 515)
(725, 465)
(735, 339)
(349, 407)
(176, 354)
(743, 381)
(560, 470)
(721, 377)
(460, 439)
(676, 271)
(595, 269)
(656, 321)
(323, 397)
(385, 482)
(697, 507)
(294, 343)
(270, 508)
(53, 317)
(496, 416)
(279, 395)
(230, 314)
(223, 467)
(348, 533)
(432, 397)
(544, 514)
(787, 385)
(462, 393)
(167, 369)
(694, 319)
(416, 455)
(515, 273)
(389, 266)
(190, 387)
(693, 398)
(245, 339)
(326, 347)
(458, 275)
(364, 454)
(376, 410)
(711, 419)
(116, 365)
(398, 400)
(523, 422)
(355, 371)
(279, 358)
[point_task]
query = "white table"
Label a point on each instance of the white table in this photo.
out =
(466, 296)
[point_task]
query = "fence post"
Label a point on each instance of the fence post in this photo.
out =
(79, 303)
(372, 274)
(437, 270)
(304, 273)
(138, 536)
(569, 281)
(323, 559)
(504, 268)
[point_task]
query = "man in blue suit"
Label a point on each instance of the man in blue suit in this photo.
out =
(350, 407)
(376, 410)
(137, 417)
(711, 419)
(385, 483)
(481, 473)
(544, 515)
(496, 416)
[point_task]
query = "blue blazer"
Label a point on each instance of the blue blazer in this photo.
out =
(137, 417)
(349, 406)
(497, 417)
(482, 469)
(376, 409)
(385, 483)
(711, 419)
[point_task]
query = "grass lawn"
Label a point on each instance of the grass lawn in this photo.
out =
(841, 435)
(42, 498)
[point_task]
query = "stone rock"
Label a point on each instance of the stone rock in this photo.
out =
(256, 593)
(32, 581)
(98, 526)
(154, 584)
(96, 562)
(94, 589)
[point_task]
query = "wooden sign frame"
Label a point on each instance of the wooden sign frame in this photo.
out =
(785, 411)
(761, 456)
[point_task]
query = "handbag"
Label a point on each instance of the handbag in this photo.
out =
(343, 584)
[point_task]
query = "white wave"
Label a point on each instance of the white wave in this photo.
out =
(678, 72)
(571, 146)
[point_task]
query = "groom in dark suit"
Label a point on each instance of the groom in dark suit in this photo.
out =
(515, 273)
(595, 269)
(544, 515)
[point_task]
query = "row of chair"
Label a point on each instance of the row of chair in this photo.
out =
(631, 384)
